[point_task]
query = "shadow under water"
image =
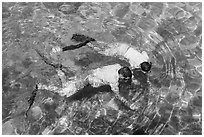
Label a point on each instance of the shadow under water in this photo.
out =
(89, 91)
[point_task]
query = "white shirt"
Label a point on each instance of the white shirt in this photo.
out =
(105, 75)
(134, 57)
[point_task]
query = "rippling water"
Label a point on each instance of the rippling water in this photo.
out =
(166, 101)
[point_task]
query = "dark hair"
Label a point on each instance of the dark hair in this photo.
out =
(125, 71)
(146, 66)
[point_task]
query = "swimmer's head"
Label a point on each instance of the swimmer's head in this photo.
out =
(125, 72)
(125, 75)
(146, 66)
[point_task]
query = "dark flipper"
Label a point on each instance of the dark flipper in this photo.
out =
(78, 38)
(81, 38)
(32, 99)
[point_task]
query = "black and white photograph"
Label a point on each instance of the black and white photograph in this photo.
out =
(101, 68)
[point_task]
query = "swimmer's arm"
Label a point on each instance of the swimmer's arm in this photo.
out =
(72, 47)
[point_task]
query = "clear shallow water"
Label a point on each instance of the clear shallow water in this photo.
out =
(169, 104)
